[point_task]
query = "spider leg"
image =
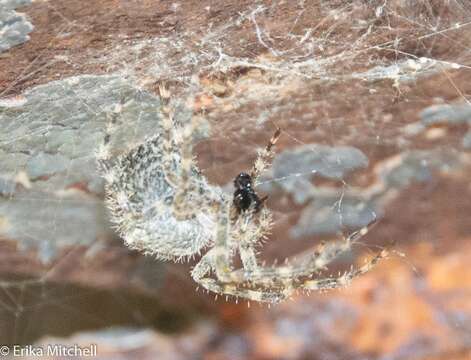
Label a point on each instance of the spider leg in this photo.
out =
(223, 243)
(180, 141)
(203, 267)
(242, 234)
(200, 274)
(103, 154)
(168, 144)
(238, 290)
(267, 284)
(278, 291)
(289, 277)
(246, 235)
(306, 265)
(219, 259)
(275, 293)
(264, 157)
(185, 187)
(344, 279)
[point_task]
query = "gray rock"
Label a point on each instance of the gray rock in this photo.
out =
(293, 169)
(335, 210)
(444, 114)
(332, 214)
(14, 27)
(447, 113)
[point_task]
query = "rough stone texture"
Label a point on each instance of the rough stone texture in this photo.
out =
(379, 88)
(14, 27)
(332, 210)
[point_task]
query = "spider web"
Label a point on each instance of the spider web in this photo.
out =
(372, 99)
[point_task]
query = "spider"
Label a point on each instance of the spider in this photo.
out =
(162, 205)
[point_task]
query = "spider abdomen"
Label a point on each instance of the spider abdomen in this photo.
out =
(140, 198)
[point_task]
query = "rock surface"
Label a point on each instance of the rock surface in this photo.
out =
(14, 27)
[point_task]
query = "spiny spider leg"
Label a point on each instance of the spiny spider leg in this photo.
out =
(103, 153)
(274, 293)
(185, 187)
(264, 157)
(307, 265)
(243, 231)
(346, 278)
(285, 290)
(228, 239)
(223, 244)
(233, 288)
(219, 260)
(238, 290)
(250, 229)
(246, 204)
(289, 276)
(168, 144)
(267, 284)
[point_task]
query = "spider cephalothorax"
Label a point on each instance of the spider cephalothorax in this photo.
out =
(162, 205)
(245, 196)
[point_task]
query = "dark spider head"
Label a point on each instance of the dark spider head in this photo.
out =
(243, 181)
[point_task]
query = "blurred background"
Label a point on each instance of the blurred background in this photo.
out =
(373, 101)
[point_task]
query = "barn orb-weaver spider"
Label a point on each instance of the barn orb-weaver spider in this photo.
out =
(162, 205)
